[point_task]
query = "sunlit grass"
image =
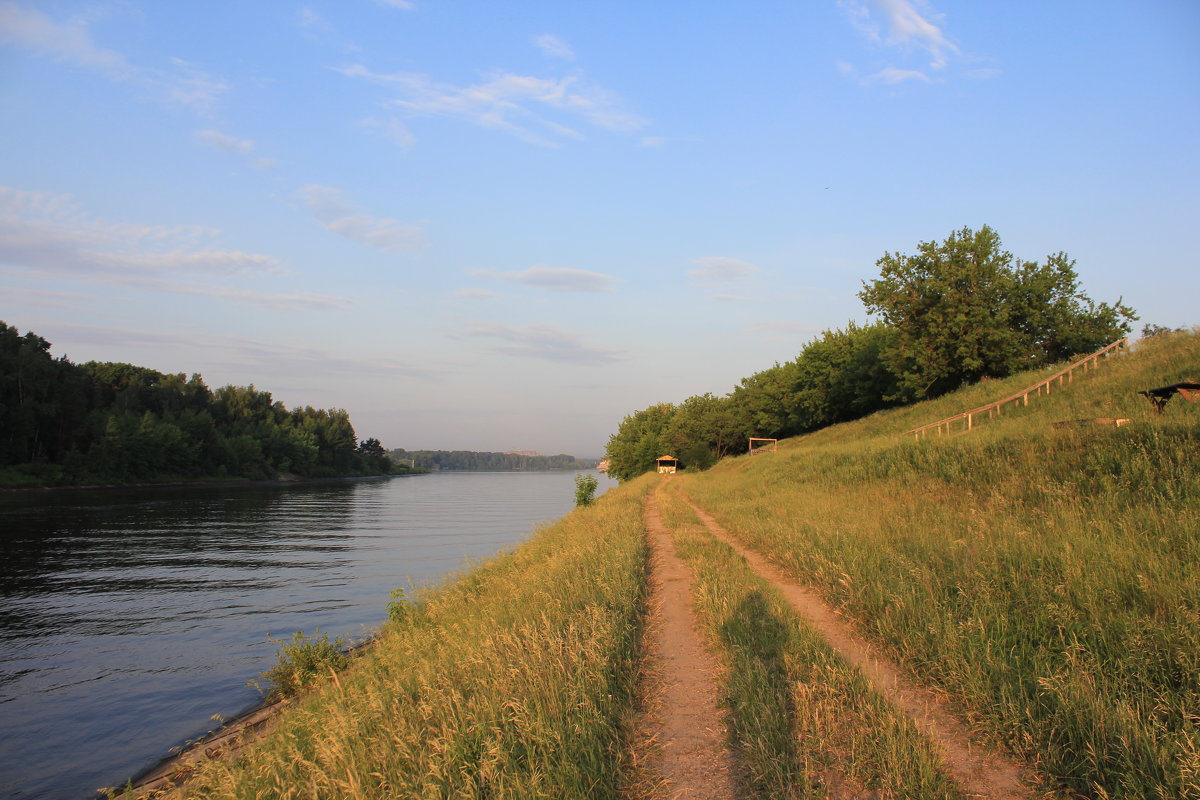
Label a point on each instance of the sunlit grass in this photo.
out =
(804, 723)
(514, 681)
(1048, 579)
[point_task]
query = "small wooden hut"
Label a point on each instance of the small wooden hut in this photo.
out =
(667, 465)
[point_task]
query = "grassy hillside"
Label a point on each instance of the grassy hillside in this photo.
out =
(514, 681)
(1047, 579)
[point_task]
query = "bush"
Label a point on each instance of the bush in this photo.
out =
(585, 488)
(302, 662)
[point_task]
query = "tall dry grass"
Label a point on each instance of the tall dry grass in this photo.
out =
(1047, 579)
(514, 681)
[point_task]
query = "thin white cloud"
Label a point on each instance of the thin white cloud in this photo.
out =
(47, 235)
(41, 231)
(239, 353)
(910, 24)
(338, 215)
(542, 341)
(520, 105)
(285, 301)
(224, 142)
(70, 42)
(652, 141)
(892, 76)
(554, 47)
(474, 294)
(555, 279)
(718, 269)
(401, 4)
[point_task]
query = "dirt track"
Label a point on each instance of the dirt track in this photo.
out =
(980, 772)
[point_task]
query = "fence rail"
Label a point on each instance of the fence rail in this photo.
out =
(1064, 376)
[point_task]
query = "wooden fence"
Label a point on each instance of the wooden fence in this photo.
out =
(1063, 377)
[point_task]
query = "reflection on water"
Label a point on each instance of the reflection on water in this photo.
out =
(129, 617)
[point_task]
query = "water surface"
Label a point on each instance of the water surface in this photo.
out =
(129, 617)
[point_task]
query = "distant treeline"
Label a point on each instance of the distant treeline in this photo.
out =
(63, 423)
(955, 312)
(487, 462)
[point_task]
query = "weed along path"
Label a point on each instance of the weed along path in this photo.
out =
(980, 772)
(682, 720)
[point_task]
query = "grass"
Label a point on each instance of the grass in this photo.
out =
(1048, 580)
(803, 722)
(515, 681)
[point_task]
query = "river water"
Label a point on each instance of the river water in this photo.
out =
(128, 618)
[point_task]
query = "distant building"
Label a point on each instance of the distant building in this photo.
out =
(667, 465)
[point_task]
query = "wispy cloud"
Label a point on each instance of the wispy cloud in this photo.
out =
(542, 341)
(224, 142)
(906, 26)
(910, 24)
(892, 76)
(401, 4)
(338, 215)
(49, 232)
(718, 269)
(285, 301)
(554, 47)
(49, 235)
(474, 294)
(521, 105)
(69, 41)
(555, 279)
(239, 353)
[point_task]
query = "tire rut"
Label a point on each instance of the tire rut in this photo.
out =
(981, 772)
(683, 721)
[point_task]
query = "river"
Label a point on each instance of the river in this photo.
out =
(128, 618)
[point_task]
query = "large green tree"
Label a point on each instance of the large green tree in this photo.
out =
(965, 308)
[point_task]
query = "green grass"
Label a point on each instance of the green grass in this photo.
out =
(1048, 580)
(515, 681)
(802, 720)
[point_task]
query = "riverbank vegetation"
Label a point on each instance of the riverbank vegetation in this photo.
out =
(515, 680)
(63, 423)
(470, 460)
(1046, 579)
(949, 315)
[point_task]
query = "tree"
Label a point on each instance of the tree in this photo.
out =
(964, 308)
(639, 440)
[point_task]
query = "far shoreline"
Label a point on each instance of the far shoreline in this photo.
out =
(203, 483)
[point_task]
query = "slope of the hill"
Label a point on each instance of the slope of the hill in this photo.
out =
(1047, 579)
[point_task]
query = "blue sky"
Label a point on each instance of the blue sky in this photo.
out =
(506, 225)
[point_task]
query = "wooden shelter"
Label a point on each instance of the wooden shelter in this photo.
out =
(667, 465)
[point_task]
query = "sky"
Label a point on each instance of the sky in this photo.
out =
(498, 225)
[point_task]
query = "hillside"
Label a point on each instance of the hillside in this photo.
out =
(1009, 613)
(1048, 580)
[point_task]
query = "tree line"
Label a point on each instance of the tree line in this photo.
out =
(469, 460)
(953, 313)
(63, 423)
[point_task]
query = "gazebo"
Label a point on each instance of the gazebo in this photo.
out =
(667, 465)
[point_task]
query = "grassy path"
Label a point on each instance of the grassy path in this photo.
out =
(682, 724)
(979, 771)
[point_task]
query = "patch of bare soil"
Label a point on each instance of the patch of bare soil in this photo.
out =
(683, 724)
(979, 771)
